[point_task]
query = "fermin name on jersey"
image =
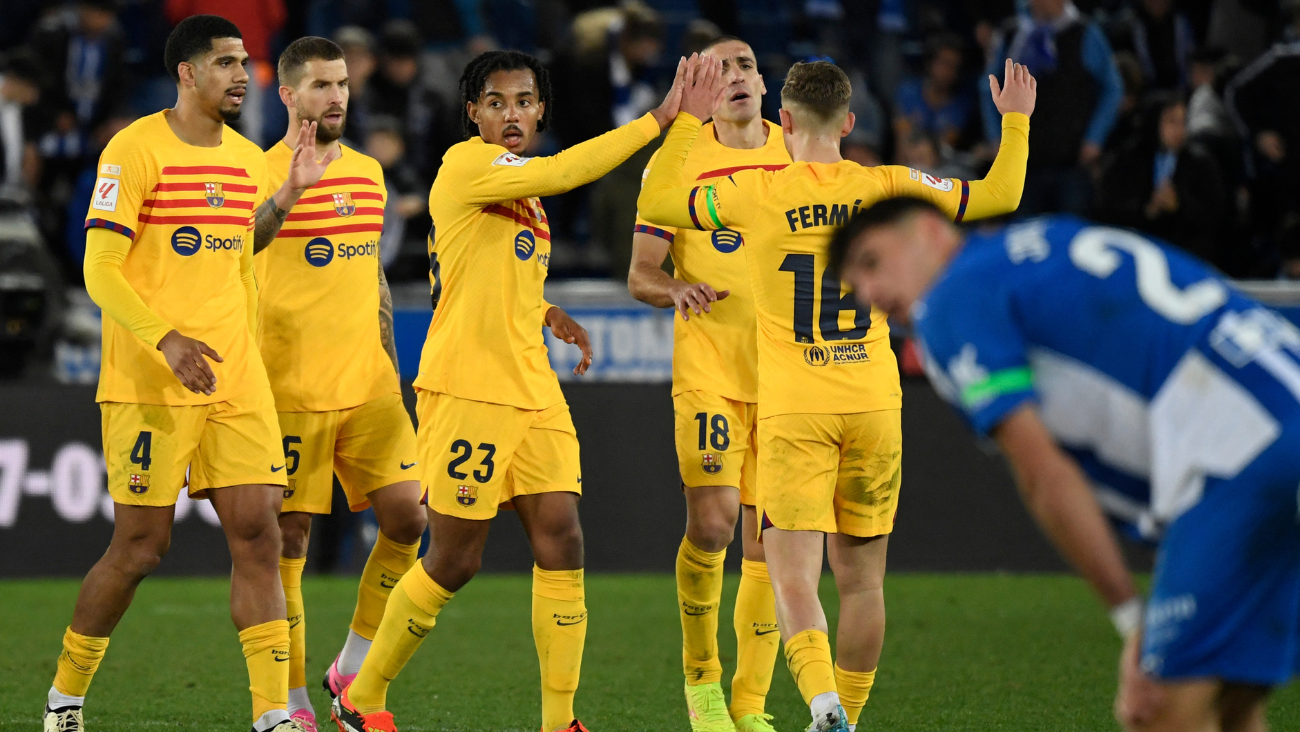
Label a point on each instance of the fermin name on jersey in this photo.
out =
(820, 214)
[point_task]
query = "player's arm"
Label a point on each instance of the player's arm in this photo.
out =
(386, 336)
(105, 254)
(505, 176)
(664, 200)
(305, 171)
(999, 191)
(249, 278)
(1057, 493)
(649, 283)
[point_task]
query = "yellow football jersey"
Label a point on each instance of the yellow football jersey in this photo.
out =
(318, 282)
(819, 351)
(717, 352)
(189, 214)
(488, 257)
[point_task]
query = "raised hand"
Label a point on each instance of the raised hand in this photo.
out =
(665, 113)
(186, 357)
(305, 170)
(697, 296)
(1019, 91)
(703, 87)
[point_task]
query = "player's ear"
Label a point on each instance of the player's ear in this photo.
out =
(787, 121)
(185, 70)
(472, 110)
(849, 121)
(286, 96)
(541, 116)
(762, 86)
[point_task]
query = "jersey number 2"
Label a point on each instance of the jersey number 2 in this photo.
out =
(1095, 250)
(803, 266)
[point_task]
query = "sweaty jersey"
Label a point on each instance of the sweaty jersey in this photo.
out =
(318, 311)
(488, 256)
(1145, 365)
(819, 352)
(188, 212)
(717, 352)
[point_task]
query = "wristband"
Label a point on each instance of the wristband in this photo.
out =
(1127, 617)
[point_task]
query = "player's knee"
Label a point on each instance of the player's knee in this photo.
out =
(138, 555)
(255, 541)
(452, 570)
(295, 533)
(407, 528)
(712, 533)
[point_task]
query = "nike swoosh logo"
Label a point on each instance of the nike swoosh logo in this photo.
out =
(406, 466)
(276, 470)
(281, 660)
(561, 622)
(387, 586)
(766, 632)
(704, 612)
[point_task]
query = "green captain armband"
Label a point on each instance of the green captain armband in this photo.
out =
(1006, 381)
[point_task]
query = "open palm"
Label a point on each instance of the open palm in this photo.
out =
(305, 170)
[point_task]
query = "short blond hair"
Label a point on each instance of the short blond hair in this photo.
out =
(819, 88)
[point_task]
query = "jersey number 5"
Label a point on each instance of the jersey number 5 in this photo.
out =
(803, 266)
(1095, 250)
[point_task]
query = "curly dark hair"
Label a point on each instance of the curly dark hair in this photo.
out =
(474, 80)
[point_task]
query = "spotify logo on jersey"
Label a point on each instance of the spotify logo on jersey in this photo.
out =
(525, 245)
(319, 252)
(727, 241)
(186, 241)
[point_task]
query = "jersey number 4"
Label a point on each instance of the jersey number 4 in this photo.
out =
(803, 266)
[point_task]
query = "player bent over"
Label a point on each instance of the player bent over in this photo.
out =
(493, 423)
(169, 259)
(829, 398)
(326, 333)
(1118, 372)
(715, 390)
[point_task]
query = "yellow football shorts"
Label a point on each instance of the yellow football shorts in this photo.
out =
(369, 446)
(478, 456)
(837, 473)
(717, 442)
(148, 448)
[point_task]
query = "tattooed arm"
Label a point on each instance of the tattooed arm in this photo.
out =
(268, 220)
(386, 336)
(305, 171)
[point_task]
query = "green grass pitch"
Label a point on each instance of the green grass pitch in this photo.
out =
(963, 652)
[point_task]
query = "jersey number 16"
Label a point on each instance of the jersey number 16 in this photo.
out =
(803, 267)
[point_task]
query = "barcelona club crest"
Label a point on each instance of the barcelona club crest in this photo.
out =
(216, 197)
(467, 495)
(138, 484)
(290, 488)
(343, 205)
(711, 462)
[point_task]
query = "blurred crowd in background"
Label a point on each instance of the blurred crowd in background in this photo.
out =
(1177, 117)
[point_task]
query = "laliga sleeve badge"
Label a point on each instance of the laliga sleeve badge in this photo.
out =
(711, 462)
(467, 495)
(138, 484)
(510, 159)
(105, 195)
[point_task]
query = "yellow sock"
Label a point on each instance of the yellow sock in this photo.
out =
(78, 662)
(854, 688)
(699, 591)
(560, 631)
(291, 578)
(757, 640)
(411, 613)
(266, 651)
(808, 654)
(387, 563)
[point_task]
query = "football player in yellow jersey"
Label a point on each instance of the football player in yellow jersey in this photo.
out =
(715, 390)
(494, 428)
(325, 330)
(169, 259)
(829, 398)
